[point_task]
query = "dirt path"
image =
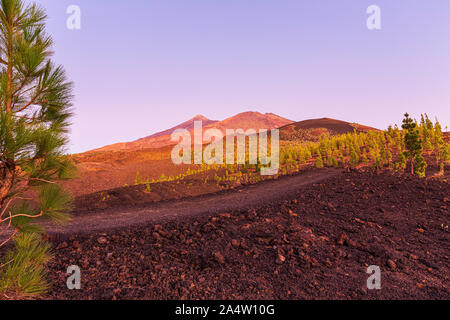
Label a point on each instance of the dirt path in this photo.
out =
(301, 237)
(238, 199)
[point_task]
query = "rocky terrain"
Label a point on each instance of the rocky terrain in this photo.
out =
(314, 243)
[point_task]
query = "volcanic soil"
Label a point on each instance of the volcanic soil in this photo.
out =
(314, 242)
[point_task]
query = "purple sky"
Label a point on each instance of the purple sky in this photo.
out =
(143, 66)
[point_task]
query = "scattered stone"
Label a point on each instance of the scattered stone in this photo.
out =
(293, 253)
(63, 245)
(102, 240)
(219, 257)
(343, 240)
(156, 235)
(375, 239)
(391, 264)
(208, 227)
(280, 259)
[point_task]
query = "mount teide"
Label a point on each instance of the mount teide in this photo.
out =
(245, 121)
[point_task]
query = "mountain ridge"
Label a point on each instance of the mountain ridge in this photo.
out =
(313, 129)
(245, 120)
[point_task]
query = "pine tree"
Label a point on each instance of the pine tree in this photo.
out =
(334, 162)
(398, 138)
(390, 131)
(35, 109)
(364, 157)
(420, 165)
(383, 156)
(148, 188)
(329, 161)
(137, 179)
(35, 101)
(445, 156)
(319, 161)
(413, 144)
(354, 159)
(282, 158)
(427, 132)
(403, 160)
(342, 158)
(389, 157)
(438, 144)
(378, 163)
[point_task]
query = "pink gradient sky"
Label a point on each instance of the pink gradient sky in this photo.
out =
(143, 66)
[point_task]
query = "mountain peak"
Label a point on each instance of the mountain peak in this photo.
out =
(246, 120)
(200, 117)
(249, 113)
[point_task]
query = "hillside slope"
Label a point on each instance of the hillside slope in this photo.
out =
(245, 121)
(157, 140)
(311, 130)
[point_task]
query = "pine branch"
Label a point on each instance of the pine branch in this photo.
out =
(11, 217)
(31, 102)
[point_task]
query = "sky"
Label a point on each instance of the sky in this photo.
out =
(140, 67)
